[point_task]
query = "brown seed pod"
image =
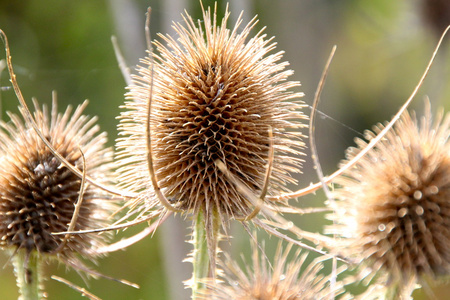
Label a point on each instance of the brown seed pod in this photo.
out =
(393, 207)
(215, 95)
(38, 194)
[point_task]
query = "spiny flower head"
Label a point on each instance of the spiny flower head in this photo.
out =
(38, 194)
(393, 206)
(287, 279)
(216, 94)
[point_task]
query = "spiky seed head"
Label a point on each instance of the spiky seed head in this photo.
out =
(286, 279)
(393, 206)
(215, 95)
(38, 194)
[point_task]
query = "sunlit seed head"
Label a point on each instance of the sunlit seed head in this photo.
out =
(38, 194)
(286, 279)
(394, 204)
(216, 93)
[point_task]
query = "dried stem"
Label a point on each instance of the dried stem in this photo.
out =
(162, 199)
(78, 204)
(124, 243)
(315, 155)
(126, 73)
(77, 288)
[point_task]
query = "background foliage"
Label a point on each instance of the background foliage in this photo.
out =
(383, 47)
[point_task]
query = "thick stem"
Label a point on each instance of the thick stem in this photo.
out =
(28, 275)
(200, 258)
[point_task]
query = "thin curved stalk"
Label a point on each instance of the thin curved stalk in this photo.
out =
(314, 187)
(315, 157)
(162, 199)
(265, 187)
(29, 117)
(77, 288)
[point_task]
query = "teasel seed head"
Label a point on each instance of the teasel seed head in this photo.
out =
(393, 207)
(215, 95)
(38, 194)
(287, 279)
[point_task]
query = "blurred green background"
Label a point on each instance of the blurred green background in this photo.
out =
(383, 48)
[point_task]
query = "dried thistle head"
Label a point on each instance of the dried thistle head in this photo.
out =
(215, 95)
(287, 279)
(38, 194)
(393, 207)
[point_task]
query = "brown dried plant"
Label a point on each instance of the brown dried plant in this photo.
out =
(209, 104)
(211, 131)
(38, 194)
(392, 210)
(208, 124)
(41, 195)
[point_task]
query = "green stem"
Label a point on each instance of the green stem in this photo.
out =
(27, 271)
(200, 256)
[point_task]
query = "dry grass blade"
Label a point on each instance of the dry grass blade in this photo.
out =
(82, 291)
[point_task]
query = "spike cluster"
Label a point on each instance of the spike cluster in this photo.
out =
(38, 194)
(393, 206)
(215, 95)
(282, 281)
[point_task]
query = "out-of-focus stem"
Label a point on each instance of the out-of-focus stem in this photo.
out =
(28, 275)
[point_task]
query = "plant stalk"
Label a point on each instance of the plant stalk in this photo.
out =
(205, 251)
(28, 275)
(200, 257)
